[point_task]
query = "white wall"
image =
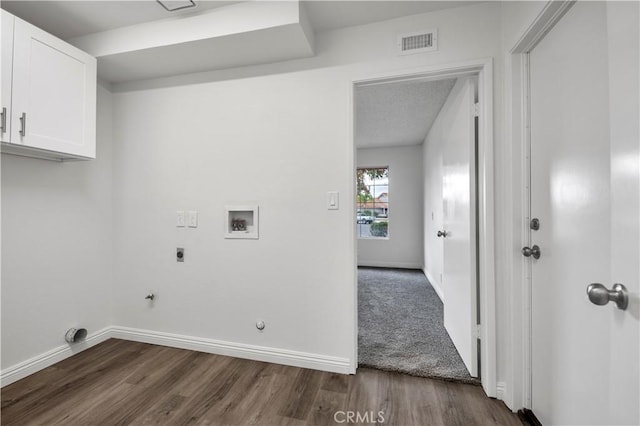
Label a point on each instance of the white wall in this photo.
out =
(276, 134)
(56, 247)
(517, 16)
(201, 147)
(403, 248)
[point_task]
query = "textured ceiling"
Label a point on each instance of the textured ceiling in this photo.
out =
(398, 114)
(69, 19)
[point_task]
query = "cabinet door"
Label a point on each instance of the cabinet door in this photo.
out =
(54, 93)
(7, 64)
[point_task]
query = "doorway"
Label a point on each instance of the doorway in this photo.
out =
(579, 192)
(482, 72)
(401, 326)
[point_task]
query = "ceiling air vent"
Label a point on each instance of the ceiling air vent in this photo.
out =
(419, 42)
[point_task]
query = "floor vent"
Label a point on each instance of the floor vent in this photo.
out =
(423, 41)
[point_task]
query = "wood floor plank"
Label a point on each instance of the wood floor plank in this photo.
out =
(402, 405)
(212, 393)
(30, 386)
(256, 396)
(363, 391)
(110, 397)
(168, 408)
(471, 400)
(335, 382)
(422, 401)
(149, 381)
(331, 399)
(302, 395)
(128, 383)
(112, 391)
(88, 405)
(275, 400)
(451, 406)
(164, 412)
(326, 405)
(227, 410)
(69, 388)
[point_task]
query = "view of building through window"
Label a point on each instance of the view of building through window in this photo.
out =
(372, 202)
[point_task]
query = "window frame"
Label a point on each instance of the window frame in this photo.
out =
(359, 209)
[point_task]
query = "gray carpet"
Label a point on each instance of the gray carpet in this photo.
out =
(401, 326)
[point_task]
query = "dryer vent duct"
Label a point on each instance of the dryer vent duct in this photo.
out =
(75, 335)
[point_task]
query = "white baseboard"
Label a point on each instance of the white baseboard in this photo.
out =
(40, 362)
(434, 284)
(501, 391)
(238, 350)
(384, 264)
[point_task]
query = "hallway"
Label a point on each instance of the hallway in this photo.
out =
(400, 326)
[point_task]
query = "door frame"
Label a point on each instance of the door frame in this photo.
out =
(483, 69)
(519, 344)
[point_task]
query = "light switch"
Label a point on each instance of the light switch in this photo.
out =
(193, 219)
(180, 219)
(333, 200)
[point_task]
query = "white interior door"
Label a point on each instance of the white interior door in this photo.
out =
(459, 221)
(584, 125)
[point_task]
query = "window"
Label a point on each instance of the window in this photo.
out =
(372, 202)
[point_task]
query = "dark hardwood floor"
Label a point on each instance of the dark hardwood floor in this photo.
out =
(120, 382)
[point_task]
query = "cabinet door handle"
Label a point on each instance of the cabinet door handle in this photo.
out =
(23, 124)
(3, 120)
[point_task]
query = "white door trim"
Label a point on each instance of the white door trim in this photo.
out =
(483, 68)
(518, 393)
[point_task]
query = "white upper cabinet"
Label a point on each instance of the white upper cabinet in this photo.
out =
(7, 60)
(53, 96)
